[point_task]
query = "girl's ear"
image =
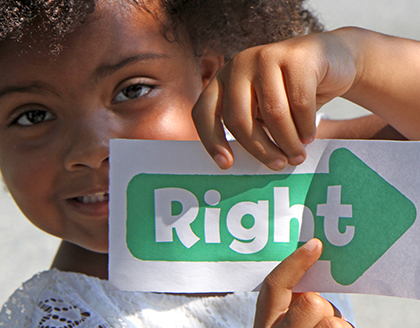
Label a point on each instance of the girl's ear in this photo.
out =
(209, 65)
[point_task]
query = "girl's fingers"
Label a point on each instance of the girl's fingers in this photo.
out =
(276, 109)
(229, 98)
(308, 311)
(301, 86)
(241, 118)
(275, 306)
(268, 106)
(334, 322)
(276, 290)
(208, 121)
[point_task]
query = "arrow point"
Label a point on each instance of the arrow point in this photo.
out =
(381, 214)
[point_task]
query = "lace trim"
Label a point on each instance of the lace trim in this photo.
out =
(53, 312)
(58, 314)
(56, 299)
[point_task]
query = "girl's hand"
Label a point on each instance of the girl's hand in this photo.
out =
(276, 306)
(267, 96)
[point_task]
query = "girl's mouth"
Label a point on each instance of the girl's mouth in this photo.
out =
(92, 205)
(93, 198)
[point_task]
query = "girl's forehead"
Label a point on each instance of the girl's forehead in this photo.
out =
(110, 36)
(116, 17)
(113, 29)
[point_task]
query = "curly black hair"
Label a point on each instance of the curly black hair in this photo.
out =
(229, 26)
(226, 26)
(52, 18)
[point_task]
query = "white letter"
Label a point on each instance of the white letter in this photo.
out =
(165, 221)
(333, 210)
(283, 214)
(259, 231)
(212, 225)
(212, 217)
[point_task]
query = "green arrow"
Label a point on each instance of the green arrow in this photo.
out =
(381, 215)
(372, 215)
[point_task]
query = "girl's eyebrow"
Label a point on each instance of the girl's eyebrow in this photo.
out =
(108, 69)
(37, 87)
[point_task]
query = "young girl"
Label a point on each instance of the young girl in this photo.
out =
(75, 74)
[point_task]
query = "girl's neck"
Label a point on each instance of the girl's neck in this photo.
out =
(73, 258)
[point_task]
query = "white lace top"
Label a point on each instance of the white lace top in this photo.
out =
(56, 299)
(65, 299)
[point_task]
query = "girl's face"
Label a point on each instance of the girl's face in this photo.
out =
(116, 77)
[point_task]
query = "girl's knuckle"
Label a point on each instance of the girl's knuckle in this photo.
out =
(312, 302)
(331, 322)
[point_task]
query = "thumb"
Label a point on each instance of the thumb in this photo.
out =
(276, 290)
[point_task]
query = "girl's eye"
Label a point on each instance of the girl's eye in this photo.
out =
(132, 92)
(34, 117)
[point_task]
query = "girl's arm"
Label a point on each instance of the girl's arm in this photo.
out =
(388, 78)
(366, 127)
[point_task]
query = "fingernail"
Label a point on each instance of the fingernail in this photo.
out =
(307, 141)
(297, 160)
(311, 245)
(277, 165)
(221, 161)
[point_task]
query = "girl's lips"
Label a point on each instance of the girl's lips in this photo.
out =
(91, 204)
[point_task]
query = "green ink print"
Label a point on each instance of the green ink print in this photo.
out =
(212, 218)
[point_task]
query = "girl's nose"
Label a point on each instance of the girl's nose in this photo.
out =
(88, 145)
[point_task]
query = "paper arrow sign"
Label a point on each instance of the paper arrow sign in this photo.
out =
(238, 218)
